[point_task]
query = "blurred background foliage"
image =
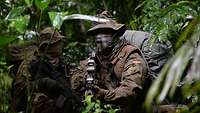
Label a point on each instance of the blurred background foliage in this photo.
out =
(176, 21)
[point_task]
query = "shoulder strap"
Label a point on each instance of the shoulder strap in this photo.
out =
(123, 53)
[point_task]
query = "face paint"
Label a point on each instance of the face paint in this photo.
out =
(104, 42)
(53, 52)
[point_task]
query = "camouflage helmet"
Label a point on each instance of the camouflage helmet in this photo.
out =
(109, 27)
(47, 38)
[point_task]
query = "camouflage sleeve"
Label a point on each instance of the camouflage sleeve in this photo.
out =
(131, 79)
(78, 77)
(20, 87)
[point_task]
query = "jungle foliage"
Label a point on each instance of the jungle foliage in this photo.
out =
(168, 20)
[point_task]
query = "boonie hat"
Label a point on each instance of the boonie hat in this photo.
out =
(47, 38)
(109, 27)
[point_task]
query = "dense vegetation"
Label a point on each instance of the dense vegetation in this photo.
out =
(168, 20)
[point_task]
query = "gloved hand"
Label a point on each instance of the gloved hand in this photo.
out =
(48, 86)
(100, 92)
(55, 90)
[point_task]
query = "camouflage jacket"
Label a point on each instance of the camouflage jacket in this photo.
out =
(43, 86)
(122, 74)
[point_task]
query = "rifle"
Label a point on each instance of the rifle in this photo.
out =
(91, 74)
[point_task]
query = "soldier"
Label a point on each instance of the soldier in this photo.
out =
(120, 69)
(42, 84)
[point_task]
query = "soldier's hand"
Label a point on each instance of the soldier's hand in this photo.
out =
(100, 92)
(48, 86)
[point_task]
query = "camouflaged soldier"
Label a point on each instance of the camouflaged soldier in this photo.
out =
(42, 82)
(120, 70)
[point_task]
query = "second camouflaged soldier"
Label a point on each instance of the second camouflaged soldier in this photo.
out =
(42, 83)
(120, 71)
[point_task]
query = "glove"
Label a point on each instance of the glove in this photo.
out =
(54, 90)
(99, 91)
(48, 86)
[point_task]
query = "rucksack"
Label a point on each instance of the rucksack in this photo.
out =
(156, 55)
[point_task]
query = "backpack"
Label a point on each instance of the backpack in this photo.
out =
(155, 55)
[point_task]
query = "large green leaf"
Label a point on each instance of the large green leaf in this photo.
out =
(15, 12)
(29, 2)
(42, 4)
(176, 71)
(20, 23)
(56, 19)
(4, 40)
(84, 17)
(155, 87)
(194, 73)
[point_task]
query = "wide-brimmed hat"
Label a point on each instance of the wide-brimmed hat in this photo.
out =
(109, 27)
(47, 38)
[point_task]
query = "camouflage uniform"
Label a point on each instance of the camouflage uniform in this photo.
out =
(17, 53)
(40, 86)
(120, 75)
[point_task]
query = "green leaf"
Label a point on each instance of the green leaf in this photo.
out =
(88, 99)
(29, 2)
(56, 19)
(195, 67)
(20, 23)
(174, 74)
(6, 40)
(155, 87)
(186, 34)
(140, 5)
(14, 13)
(42, 4)
(84, 17)
(89, 107)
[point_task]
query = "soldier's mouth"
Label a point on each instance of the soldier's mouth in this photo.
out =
(54, 60)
